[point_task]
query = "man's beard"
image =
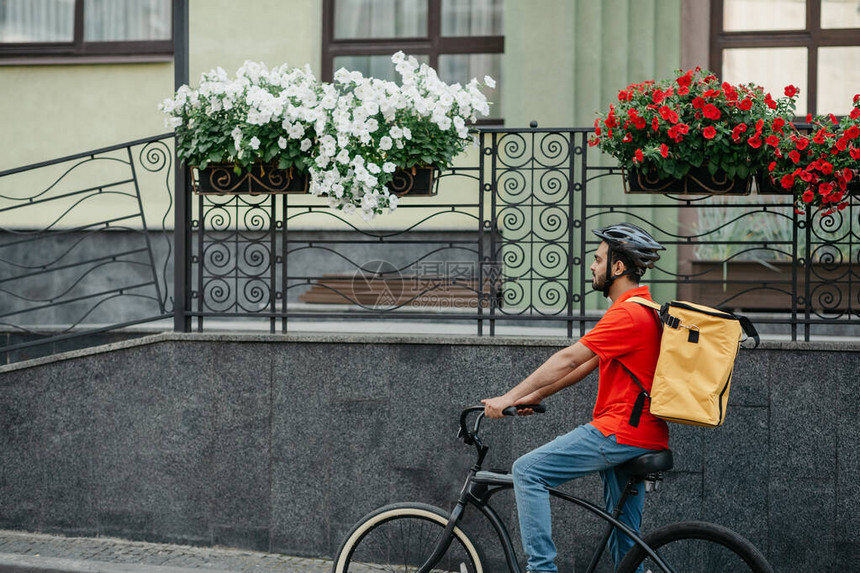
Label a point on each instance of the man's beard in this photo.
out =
(598, 283)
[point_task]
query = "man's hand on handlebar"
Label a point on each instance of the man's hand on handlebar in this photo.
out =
(500, 406)
(494, 407)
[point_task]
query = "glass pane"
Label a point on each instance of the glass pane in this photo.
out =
(111, 21)
(472, 17)
(745, 15)
(838, 79)
(771, 68)
(840, 14)
(374, 66)
(454, 68)
(29, 21)
(380, 19)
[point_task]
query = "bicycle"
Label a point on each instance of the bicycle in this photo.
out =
(420, 538)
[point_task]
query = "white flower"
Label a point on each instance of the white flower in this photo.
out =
(343, 156)
(389, 167)
(374, 168)
(489, 82)
(395, 132)
(407, 133)
(306, 144)
(282, 142)
(385, 143)
(255, 143)
(296, 131)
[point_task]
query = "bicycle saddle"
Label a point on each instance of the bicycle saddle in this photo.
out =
(646, 464)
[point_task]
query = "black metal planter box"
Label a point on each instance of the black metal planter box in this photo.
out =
(415, 181)
(698, 181)
(220, 179)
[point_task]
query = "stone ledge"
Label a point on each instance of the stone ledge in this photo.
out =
(834, 345)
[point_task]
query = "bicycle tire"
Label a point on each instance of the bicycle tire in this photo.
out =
(383, 541)
(691, 546)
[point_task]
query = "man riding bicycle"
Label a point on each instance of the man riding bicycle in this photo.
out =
(626, 338)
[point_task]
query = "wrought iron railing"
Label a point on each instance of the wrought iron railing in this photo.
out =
(79, 253)
(517, 249)
(86, 246)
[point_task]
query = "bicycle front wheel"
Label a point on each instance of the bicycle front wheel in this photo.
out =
(693, 546)
(400, 537)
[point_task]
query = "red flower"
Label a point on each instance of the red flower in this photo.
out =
(628, 137)
(759, 125)
(826, 168)
(854, 153)
(833, 119)
(768, 100)
(808, 196)
(678, 130)
(709, 132)
(777, 124)
(808, 118)
(855, 113)
(686, 79)
(668, 114)
(820, 136)
(787, 181)
(738, 131)
(658, 96)
(801, 142)
(847, 175)
(655, 123)
(637, 156)
(593, 141)
(825, 189)
(772, 140)
(683, 90)
(754, 141)
(791, 91)
(853, 132)
(842, 144)
(639, 122)
(745, 104)
(625, 95)
(794, 156)
(772, 166)
(698, 103)
(711, 111)
(664, 150)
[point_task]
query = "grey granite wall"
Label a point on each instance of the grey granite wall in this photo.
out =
(282, 442)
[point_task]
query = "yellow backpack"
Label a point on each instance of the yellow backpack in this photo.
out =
(698, 349)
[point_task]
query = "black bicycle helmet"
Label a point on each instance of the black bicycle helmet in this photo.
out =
(633, 241)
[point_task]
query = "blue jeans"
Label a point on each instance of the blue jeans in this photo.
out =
(583, 451)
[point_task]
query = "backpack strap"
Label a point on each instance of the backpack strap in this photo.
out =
(639, 406)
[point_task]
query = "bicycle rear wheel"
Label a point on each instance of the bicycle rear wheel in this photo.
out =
(400, 537)
(693, 546)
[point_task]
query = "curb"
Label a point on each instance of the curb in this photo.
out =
(12, 563)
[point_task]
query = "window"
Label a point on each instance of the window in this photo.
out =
(812, 44)
(31, 29)
(461, 39)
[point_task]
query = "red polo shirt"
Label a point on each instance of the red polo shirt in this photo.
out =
(627, 333)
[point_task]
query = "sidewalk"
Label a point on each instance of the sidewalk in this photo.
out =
(38, 553)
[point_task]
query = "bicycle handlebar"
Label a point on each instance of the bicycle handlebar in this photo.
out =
(469, 437)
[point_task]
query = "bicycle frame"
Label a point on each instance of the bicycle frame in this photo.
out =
(478, 493)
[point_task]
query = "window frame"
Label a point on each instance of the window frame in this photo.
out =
(811, 38)
(431, 45)
(80, 50)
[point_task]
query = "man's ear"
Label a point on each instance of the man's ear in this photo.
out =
(618, 267)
